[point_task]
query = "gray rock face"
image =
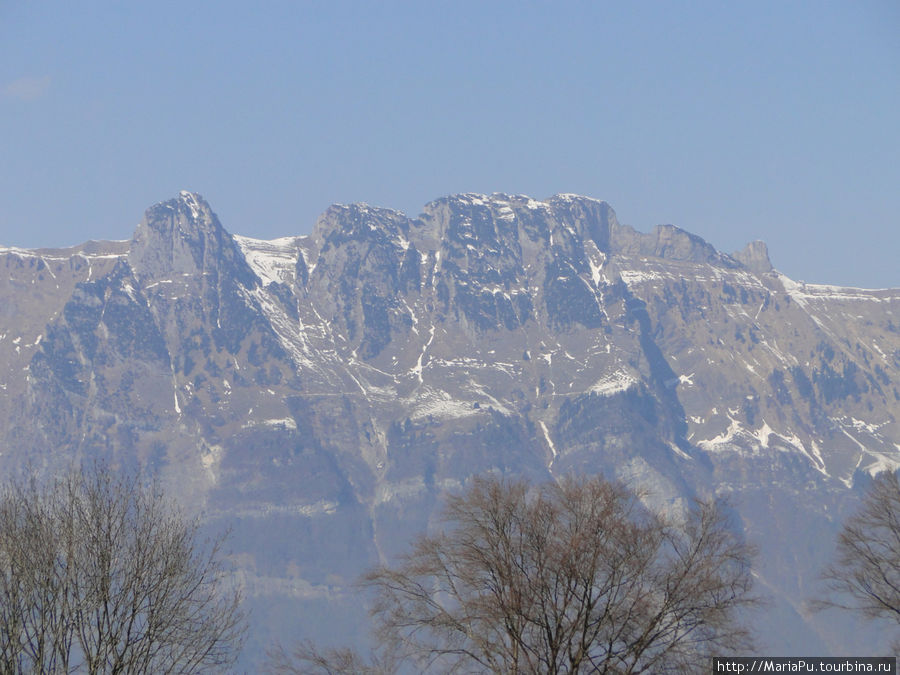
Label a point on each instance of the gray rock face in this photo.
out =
(755, 257)
(317, 394)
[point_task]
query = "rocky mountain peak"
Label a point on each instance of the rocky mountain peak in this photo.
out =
(755, 257)
(344, 223)
(184, 236)
(514, 221)
(464, 222)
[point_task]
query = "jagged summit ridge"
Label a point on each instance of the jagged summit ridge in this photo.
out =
(184, 236)
(174, 233)
(472, 217)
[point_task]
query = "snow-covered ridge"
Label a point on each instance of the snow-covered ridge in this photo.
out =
(501, 199)
(802, 292)
(274, 260)
(64, 254)
(738, 437)
(639, 269)
(569, 197)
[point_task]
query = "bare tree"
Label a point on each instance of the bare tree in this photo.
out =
(562, 578)
(307, 658)
(99, 574)
(866, 568)
(34, 635)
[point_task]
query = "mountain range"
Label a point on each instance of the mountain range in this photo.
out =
(317, 394)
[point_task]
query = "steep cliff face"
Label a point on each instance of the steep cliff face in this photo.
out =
(318, 393)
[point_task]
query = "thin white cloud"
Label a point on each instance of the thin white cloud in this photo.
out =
(27, 88)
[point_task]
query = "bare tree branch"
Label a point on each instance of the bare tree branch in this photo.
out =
(99, 574)
(866, 568)
(559, 578)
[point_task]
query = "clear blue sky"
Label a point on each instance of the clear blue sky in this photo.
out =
(734, 120)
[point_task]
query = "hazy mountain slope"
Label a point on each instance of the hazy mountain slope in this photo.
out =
(318, 393)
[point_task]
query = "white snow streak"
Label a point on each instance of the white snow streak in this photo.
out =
(613, 384)
(273, 261)
(417, 369)
(549, 443)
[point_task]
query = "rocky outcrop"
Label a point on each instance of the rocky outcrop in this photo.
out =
(183, 236)
(755, 257)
